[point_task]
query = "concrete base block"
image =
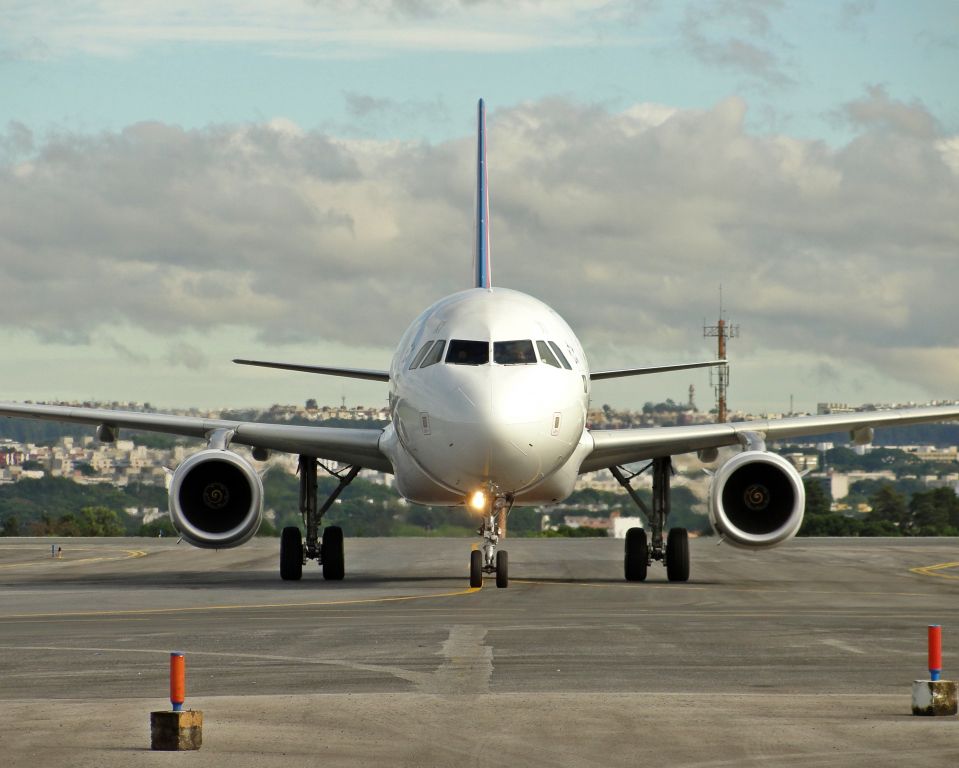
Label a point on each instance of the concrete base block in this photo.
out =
(934, 697)
(176, 730)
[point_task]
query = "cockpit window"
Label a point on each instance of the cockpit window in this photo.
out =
(463, 352)
(420, 355)
(561, 356)
(513, 352)
(435, 354)
(546, 355)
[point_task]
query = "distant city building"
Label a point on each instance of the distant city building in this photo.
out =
(931, 453)
(584, 521)
(803, 461)
(839, 482)
(824, 408)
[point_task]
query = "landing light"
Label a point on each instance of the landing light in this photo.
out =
(477, 501)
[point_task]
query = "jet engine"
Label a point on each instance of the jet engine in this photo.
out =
(216, 499)
(756, 500)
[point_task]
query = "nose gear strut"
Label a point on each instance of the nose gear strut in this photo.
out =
(487, 559)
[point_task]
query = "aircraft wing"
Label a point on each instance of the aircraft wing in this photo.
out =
(351, 446)
(612, 447)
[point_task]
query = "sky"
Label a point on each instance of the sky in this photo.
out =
(182, 183)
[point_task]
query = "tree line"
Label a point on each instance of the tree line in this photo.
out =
(933, 512)
(59, 507)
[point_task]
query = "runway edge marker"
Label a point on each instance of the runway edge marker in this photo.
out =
(934, 696)
(178, 729)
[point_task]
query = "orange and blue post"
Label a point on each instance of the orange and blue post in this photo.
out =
(935, 651)
(177, 680)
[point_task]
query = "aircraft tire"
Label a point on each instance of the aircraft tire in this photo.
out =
(331, 552)
(502, 570)
(677, 555)
(637, 555)
(476, 569)
(291, 554)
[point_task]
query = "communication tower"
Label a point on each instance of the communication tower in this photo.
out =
(719, 376)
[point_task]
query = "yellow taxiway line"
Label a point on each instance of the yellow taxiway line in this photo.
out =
(937, 570)
(123, 554)
(237, 607)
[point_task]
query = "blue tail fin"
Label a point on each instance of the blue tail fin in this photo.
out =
(481, 258)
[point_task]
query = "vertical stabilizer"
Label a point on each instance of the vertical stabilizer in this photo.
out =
(481, 258)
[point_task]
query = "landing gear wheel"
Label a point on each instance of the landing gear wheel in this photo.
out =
(291, 554)
(677, 555)
(476, 569)
(331, 554)
(637, 555)
(502, 570)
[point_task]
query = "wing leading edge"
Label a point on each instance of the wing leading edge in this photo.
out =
(612, 447)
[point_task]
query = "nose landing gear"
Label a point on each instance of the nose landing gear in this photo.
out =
(486, 559)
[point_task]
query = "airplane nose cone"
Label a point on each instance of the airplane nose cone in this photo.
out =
(516, 429)
(496, 427)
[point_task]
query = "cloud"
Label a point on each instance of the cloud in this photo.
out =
(364, 109)
(878, 111)
(124, 352)
(625, 221)
(315, 28)
(187, 355)
(738, 35)
(852, 13)
(27, 47)
(943, 39)
(16, 141)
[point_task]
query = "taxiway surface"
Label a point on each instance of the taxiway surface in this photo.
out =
(803, 655)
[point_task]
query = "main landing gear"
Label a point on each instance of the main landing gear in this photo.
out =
(487, 559)
(640, 551)
(294, 551)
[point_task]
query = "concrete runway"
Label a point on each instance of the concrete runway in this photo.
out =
(799, 656)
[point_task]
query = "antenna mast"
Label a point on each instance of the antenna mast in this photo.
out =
(719, 377)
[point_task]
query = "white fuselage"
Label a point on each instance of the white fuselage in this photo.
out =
(500, 405)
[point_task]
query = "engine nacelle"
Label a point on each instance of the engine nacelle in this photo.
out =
(216, 499)
(756, 500)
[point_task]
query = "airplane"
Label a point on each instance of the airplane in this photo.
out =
(488, 394)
